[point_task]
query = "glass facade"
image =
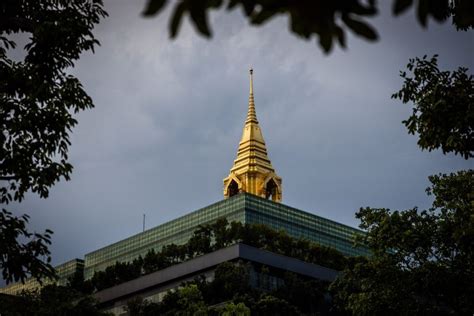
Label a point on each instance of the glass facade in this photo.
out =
(245, 208)
(300, 224)
(177, 231)
(64, 271)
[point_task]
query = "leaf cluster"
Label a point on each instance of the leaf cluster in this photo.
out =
(422, 262)
(20, 250)
(326, 20)
(443, 112)
(50, 300)
(38, 96)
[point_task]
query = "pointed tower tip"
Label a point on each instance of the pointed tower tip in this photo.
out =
(252, 171)
(251, 80)
(251, 115)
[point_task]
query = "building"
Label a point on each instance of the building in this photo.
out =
(243, 207)
(252, 194)
(65, 271)
(154, 286)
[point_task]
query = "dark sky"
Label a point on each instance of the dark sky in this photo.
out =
(169, 116)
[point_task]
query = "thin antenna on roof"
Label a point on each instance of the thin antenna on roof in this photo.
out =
(143, 222)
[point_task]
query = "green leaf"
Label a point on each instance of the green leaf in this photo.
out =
(176, 19)
(422, 13)
(401, 5)
(153, 7)
(198, 16)
(341, 37)
(262, 16)
(325, 40)
(360, 28)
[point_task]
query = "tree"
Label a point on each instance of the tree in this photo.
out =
(422, 262)
(223, 236)
(37, 100)
(20, 251)
(443, 112)
(50, 300)
(271, 305)
(200, 242)
(232, 309)
(154, 261)
(306, 295)
(187, 300)
(137, 306)
(327, 20)
(230, 280)
(118, 273)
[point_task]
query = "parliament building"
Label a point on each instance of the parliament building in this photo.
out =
(253, 194)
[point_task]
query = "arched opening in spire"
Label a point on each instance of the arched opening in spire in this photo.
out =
(271, 190)
(232, 188)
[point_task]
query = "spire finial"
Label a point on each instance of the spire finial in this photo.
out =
(251, 115)
(251, 80)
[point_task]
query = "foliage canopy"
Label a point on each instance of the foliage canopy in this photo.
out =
(328, 20)
(443, 112)
(37, 95)
(38, 98)
(422, 262)
(20, 250)
(50, 300)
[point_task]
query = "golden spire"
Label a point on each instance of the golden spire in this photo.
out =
(252, 171)
(251, 114)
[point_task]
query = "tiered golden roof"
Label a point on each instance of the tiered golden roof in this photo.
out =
(252, 171)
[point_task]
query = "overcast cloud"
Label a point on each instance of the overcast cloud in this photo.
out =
(169, 116)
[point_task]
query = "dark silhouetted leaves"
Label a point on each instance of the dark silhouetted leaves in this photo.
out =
(37, 101)
(154, 6)
(198, 15)
(462, 13)
(422, 261)
(37, 96)
(443, 112)
(50, 300)
(401, 5)
(176, 20)
(328, 20)
(360, 28)
(23, 253)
